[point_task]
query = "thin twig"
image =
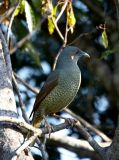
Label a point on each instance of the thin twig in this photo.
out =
(88, 125)
(11, 20)
(6, 14)
(57, 29)
(27, 143)
(32, 89)
(27, 37)
(56, 58)
(22, 41)
(66, 33)
(43, 149)
(10, 25)
(72, 142)
(20, 100)
(62, 11)
(80, 36)
(63, 45)
(91, 141)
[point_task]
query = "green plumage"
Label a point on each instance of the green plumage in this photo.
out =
(61, 86)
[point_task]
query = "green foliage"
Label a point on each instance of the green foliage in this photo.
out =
(55, 11)
(104, 39)
(19, 8)
(33, 53)
(30, 17)
(22, 7)
(47, 8)
(51, 26)
(107, 53)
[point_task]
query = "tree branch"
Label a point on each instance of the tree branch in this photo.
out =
(22, 106)
(62, 11)
(7, 55)
(79, 146)
(40, 132)
(10, 138)
(88, 125)
(91, 141)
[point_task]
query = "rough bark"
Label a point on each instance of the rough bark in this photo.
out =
(112, 152)
(10, 138)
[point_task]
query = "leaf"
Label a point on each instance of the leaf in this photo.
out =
(71, 17)
(30, 17)
(47, 8)
(51, 26)
(55, 11)
(104, 39)
(19, 8)
(107, 53)
(34, 54)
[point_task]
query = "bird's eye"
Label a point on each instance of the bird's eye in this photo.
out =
(77, 52)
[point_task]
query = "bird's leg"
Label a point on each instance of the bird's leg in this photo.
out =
(50, 128)
(71, 121)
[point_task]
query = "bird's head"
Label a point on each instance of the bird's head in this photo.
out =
(71, 54)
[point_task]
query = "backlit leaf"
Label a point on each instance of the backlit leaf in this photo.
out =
(104, 39)
(71, 17)
(51, 26)
(19, 8)
(30, 17)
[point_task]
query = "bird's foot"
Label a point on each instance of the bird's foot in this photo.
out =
(48, 126)
(50, 129)
(70, 121)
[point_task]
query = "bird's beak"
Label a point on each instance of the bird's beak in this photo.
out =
(85, 54)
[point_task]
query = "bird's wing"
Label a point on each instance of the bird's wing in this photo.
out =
(48, 86)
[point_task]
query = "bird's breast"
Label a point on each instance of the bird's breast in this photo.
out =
(69, 85)
(63, 94)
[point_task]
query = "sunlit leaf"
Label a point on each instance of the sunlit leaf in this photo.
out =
(47, 8)
(71, 17)
(30, 17)
(19, 8)
(55, 11)
(51, 26)
(104, 39)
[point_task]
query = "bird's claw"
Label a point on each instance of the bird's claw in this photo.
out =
(50, 129)
(70, 121)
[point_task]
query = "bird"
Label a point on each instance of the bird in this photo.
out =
(61, 86)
